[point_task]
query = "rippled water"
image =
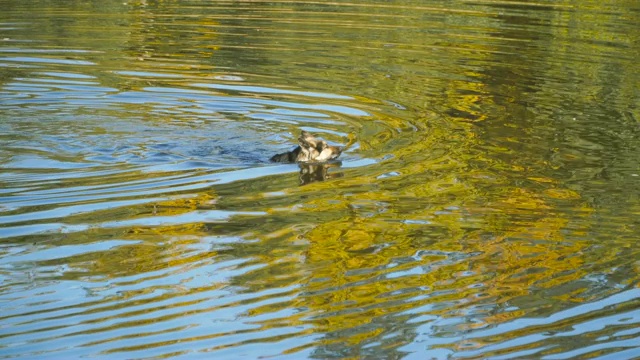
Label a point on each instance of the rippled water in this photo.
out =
(487, 204)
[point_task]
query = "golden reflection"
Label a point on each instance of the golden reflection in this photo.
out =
(373, 247)
(474, 202)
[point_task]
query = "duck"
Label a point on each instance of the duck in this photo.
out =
(309, 149)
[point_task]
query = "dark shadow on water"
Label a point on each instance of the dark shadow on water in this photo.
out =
(310, 173)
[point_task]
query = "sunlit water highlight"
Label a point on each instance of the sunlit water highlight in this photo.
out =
(486, 205)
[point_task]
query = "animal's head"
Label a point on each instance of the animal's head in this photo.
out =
(306, 140)
(315, 149)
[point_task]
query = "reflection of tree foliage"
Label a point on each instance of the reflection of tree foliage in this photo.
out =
(482, 194)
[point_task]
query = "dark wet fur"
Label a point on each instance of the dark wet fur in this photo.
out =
(287, 157)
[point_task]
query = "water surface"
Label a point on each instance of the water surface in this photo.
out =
(487, 204)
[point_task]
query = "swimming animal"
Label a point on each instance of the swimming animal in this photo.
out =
(309, 149)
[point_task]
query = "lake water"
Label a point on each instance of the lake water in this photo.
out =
(487, 204)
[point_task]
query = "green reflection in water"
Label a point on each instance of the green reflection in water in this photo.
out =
(501, 185)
